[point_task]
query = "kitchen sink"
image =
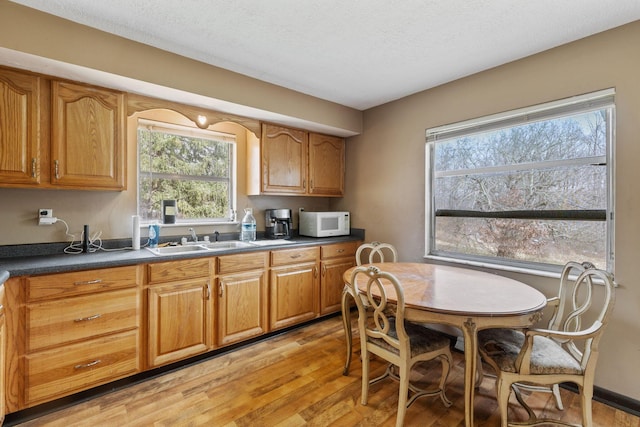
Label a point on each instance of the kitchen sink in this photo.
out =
(192, 247)
(174, 250)
(225, 244)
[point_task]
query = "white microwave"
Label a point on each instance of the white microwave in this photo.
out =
(324, 224)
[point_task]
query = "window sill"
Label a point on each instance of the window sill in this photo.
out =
(494, 266)
(503, 267)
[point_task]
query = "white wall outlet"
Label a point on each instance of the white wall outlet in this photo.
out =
(45, 213)
(45, 217)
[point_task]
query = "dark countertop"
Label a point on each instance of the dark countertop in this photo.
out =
(57, 263)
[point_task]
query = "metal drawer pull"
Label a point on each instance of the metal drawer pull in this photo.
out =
(85, 319)
(88, 282)
(88, 365)
(296, 256)
(340, 251)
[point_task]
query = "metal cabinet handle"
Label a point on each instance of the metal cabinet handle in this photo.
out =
(88, 282)
(86, 319)
(294, 256)
(56, 168)
(340, 251)
(87, 365)
(208, 291)
(33, 167)
(221, 290)
(324, 270)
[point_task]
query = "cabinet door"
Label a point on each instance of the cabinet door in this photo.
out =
(87, 137)
(242, 307)
(293, 296)
(284, 160)
(60, 371)
(56, 322)
(326, 165)
(332, 283)
(178, 320)
(19, 128)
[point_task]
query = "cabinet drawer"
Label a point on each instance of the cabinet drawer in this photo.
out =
(81, 282)
(294, 256)
(76, 367)
(338, 250)
(57, 322)
(242, 262)
(178, 270)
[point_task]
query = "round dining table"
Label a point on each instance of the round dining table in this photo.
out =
(464, 298)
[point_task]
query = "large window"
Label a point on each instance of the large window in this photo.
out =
(531, 188)
(192, 166)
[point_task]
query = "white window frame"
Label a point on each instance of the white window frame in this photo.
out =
(195, 133)
(574, 105)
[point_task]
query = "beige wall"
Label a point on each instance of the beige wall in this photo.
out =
(385, 164)
(46, 36)
(385, 175)
(110, 212)
(55, 41)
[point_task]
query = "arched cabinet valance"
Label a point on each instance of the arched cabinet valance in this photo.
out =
(202, 117)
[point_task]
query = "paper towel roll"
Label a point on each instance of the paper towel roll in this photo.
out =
(135, 235)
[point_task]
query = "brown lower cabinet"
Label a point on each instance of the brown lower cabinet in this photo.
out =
(242, 297)
(335, 260)
(294, 283)
(179, 310)
(68, 332)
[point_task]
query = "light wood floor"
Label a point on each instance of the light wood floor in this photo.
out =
(295, 379)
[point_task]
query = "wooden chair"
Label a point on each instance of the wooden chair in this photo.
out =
(566, 351)
(376, 252)
(366, 253)
(571, 269)
(385, 333)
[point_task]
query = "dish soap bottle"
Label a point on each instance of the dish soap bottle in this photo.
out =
(248, 230)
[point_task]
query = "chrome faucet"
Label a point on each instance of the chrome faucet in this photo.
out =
(194, 236)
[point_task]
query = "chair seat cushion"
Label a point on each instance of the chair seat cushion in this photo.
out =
(547, 356)
(422, 339)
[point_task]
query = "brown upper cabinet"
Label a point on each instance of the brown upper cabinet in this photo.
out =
(56, 134)
(295, 162)
(326, 165)
(19, 128)
(87, 138)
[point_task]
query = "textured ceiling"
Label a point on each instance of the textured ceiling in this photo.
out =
(358, 53)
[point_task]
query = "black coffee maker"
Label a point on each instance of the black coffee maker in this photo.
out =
(277, 223)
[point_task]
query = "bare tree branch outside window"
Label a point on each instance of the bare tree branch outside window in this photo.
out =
(536, 192)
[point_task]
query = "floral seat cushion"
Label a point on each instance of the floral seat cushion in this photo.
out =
(547, 357)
